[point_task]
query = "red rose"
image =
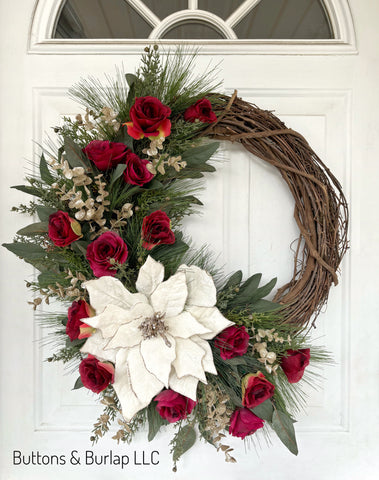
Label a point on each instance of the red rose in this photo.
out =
(156, 230)
(256, 389)
(294, 363)
(149, 118)
(96, 375)
(105, 154)
(136, 172)
(63, 229)
(201, 110)
(232, 342)
(104, 252)
(243, 422)
(173, 406)
(76, 312)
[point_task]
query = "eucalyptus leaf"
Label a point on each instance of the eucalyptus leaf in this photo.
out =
(265, 410)
(78, 384)
(44, 171)
(38, 228)
(185, 439)
(155, 421)
(283, 426)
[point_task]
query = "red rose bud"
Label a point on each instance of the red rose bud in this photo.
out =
(232, 342)
(256, 389)
(156, 230)
(75, 314)
(173, 406)
(201, 111)
(105, 154)
(243, 422)
(96, 375)
(149, 118)
(136, 172)
(63, 229)
(294, 363)
(104, 252)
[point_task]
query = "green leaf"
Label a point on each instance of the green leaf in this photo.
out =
(75, 156)
(262, 306)
(64, 321)
(130, 78)
(44, 171)
(155, 421)
(117, 172)
(154, 185)
(199, 155)
(264, 291)
(247, 290)
(265, 410)
(236, 361)
(28, 189)
(78, 342)
(283, 426)
(234, 280)
(80, 246)
(184, 440)
(38, 228)
(78, 384)
(26, 250)
(123, 137)
(50, 278)
(45, 212)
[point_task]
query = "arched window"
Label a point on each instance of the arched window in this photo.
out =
(194, 19)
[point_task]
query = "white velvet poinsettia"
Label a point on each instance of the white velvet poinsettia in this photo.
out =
(157, 337)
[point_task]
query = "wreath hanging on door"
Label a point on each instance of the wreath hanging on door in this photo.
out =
(153, 327)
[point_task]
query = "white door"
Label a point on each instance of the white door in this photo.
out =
(327, 90)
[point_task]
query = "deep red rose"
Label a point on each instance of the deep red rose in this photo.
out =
(173, 406)
(136, 172)
(243, 422)
(232, 342)
(105, 154)
(96, 375)
(149, 118)
(76, 312)
(294, 363)
(63, 229)
(202, 111)
(156, 230)
(256, 389)
(104, 252)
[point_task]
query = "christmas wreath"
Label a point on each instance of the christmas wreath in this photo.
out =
(153, 327)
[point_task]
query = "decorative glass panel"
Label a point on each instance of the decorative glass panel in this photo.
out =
(249, 19)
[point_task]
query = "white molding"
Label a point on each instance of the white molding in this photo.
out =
(145, 12)
(241, 12)
(46, 13)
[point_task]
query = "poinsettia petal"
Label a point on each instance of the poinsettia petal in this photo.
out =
(185, 325)
(130, 403)
(186, 386)
(207, 361)
(170, 296)
(151, 274)
(107, 290)
(158, 356)
(201, 288)
(188, 361)
(144, 384)
(95, 345)
(110, 320)
(211, 318)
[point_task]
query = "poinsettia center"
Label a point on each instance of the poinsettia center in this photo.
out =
(153, 326)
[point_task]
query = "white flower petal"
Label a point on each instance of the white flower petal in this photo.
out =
(109, 320)
(151, 274)
(185, 325)
(186, 386)
(158, 357)
(211, 318)
(107, 290)
(201, 288)
(144, 384)
(170, 296)
(95, 345)
(128, 335)
(130, 403)
(207, 361)
(189, 356)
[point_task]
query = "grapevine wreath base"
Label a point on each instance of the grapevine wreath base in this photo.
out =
(154, 328)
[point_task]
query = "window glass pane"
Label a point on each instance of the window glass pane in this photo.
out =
(287, 19)
(100, 19)
(192, 31)
(221, 8)
(164, 8)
